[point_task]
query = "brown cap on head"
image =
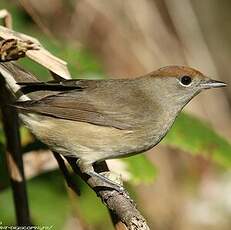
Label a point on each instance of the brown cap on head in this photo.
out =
(176, 71)
(190, 74)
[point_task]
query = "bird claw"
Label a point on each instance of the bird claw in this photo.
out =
(112, 185)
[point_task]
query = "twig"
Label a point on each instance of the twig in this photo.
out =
(119, 203)
(14, 160)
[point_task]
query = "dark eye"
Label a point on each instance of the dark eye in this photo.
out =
(186, 80)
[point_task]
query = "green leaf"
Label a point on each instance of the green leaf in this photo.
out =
(141, 169)
(196, 137)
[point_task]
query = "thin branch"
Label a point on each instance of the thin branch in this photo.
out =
(102, 167)
(119, 203)
(14, 160)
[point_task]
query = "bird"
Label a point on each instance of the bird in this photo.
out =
(96, 120)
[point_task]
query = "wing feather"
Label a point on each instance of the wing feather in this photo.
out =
(113, 103)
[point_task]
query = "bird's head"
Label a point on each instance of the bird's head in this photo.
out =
(181, 83)
(175, 86)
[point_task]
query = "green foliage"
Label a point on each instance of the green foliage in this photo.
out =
(141, 169)
(194, 136)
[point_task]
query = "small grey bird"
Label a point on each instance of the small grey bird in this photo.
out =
(94, 120)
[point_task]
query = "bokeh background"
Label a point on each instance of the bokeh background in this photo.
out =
(184, 183)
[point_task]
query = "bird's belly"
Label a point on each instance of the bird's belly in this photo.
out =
(86, 141)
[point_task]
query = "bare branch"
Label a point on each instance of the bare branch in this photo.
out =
(14, 160)
(119, 203)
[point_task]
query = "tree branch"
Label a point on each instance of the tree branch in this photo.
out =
(118, 203)
(14, 160)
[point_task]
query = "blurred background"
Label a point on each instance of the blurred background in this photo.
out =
(185, 182)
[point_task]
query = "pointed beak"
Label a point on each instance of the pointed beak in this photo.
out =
(210, 83)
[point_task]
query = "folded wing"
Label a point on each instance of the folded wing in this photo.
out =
(97, 102)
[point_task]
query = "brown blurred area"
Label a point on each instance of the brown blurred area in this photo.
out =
(134, 37)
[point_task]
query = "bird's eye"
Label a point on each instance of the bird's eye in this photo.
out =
(185, 80)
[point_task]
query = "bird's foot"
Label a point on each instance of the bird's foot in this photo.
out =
(108, 181)
(114, 184)
(105, 179)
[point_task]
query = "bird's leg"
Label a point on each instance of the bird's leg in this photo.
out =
(89, 170)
